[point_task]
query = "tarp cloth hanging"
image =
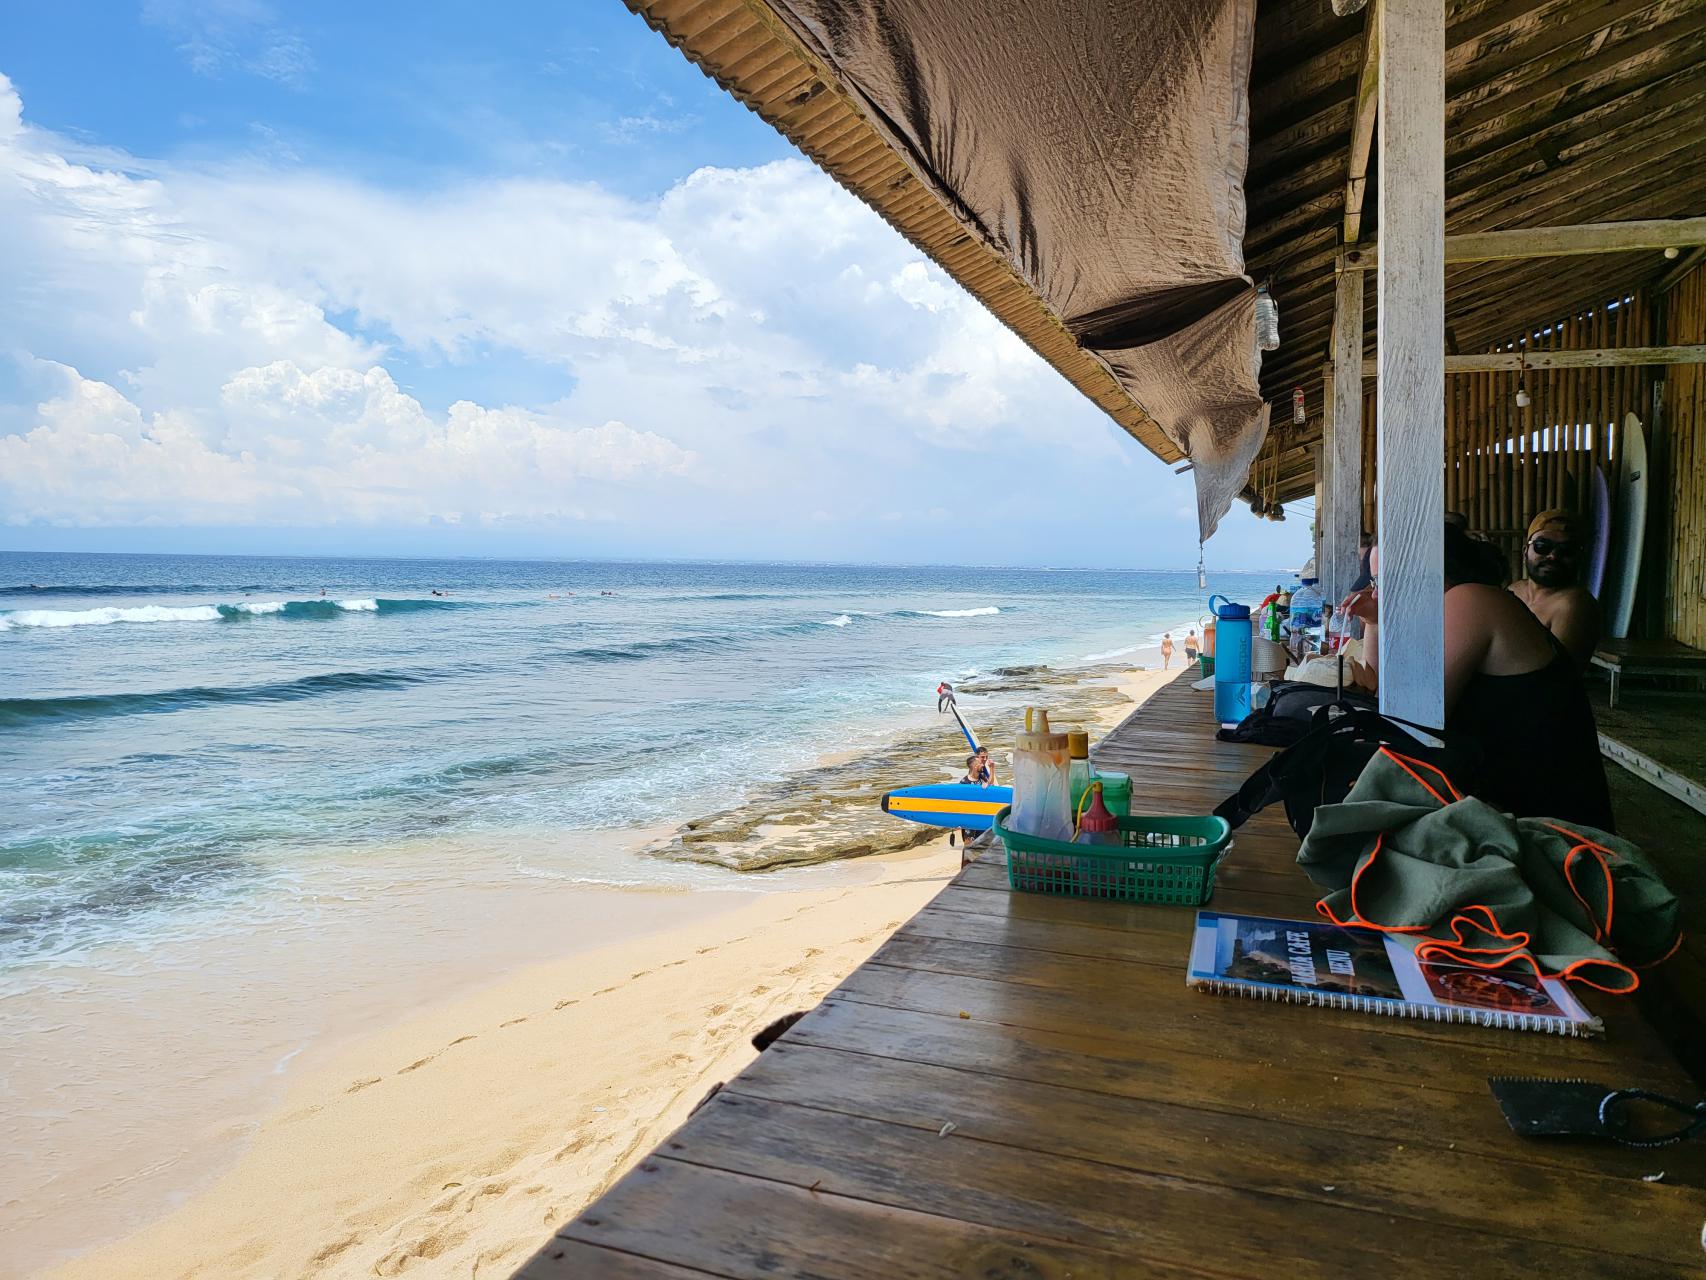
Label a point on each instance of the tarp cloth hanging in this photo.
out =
(1100, 147)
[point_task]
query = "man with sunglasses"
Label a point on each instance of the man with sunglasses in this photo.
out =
(1552, 556)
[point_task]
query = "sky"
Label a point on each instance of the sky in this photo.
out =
(431, 280)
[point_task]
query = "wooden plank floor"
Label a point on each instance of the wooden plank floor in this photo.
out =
(1108, 1121)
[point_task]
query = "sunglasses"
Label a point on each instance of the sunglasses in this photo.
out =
(1552, 547)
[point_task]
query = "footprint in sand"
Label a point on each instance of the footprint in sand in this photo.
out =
(510, 1023)
(359, 1085)
(330, 1251)
(417, 1064)
(564, 1004)
(460, 1040)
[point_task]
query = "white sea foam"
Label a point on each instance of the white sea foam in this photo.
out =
(359, 606)
(840, 620)
(261, 606)
(1113, 653)
(961, 613)
(109, 615)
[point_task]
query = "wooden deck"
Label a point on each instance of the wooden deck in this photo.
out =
(1107, 1121)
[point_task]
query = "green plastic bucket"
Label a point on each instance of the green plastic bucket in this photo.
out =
(1207, 664)
(1162, 860)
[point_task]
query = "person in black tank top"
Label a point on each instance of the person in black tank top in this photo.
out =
(1510, 688)
(1539, 742)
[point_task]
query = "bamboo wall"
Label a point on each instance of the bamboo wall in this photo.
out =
(1503, 464)
(1684, 416)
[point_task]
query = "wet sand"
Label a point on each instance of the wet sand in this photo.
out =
(450, 1142)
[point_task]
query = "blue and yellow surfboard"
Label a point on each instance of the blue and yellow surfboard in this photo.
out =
(962, 805)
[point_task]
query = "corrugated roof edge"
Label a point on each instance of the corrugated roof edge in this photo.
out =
(750, 53)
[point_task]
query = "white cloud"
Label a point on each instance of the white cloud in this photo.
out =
(345, 447)
(251, 345)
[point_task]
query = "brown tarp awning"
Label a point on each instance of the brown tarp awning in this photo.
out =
(1102, 153)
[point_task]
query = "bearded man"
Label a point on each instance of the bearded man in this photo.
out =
(1552, 590)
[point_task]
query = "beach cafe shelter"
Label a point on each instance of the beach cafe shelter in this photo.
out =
(1481, 223)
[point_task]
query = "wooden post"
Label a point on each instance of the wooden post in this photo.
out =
(1344, 502)
(1411, 353)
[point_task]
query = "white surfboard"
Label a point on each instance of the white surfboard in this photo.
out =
(1628, 530)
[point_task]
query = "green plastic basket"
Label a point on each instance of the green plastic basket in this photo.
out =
(1207, 664)
(1164, 860)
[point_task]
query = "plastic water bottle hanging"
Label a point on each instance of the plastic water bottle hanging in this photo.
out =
(1267, 320)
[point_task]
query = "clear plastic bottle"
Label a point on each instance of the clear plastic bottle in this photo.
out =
(1042, 799)
(1267, 320)
(1078, 766)
(1306, 608)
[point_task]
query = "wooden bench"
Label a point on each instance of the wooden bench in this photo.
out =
(1023, 1086)
(1646, 657)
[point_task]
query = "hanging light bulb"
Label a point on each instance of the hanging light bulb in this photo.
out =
(1672, 252)
(1523, 399)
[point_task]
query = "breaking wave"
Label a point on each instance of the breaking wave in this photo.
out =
(107, 615)
(984, 612)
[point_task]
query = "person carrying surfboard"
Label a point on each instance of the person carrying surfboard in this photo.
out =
(1552, 556)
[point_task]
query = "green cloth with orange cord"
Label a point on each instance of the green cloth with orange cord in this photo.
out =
(1410, 855)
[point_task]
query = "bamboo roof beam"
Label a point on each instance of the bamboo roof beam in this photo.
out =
(1556, 242)
(1589, 358)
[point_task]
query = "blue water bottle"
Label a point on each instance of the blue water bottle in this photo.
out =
(1232, 634)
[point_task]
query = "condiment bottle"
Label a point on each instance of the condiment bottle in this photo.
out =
(1098, 826)
(1078, 767)
(1042, 798)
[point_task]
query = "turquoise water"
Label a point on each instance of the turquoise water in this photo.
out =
(178, 732)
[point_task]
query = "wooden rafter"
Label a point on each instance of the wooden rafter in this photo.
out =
(1597, 358)
(1362, 124)
(1556, 242)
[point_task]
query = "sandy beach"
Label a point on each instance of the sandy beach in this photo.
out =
(452, 1142)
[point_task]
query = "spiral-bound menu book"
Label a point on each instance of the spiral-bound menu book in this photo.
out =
(1314, 962)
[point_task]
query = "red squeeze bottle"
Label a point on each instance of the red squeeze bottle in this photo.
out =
(1098, 826)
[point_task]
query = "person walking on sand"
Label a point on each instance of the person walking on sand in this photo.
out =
(1190, 646)
(1166, 650)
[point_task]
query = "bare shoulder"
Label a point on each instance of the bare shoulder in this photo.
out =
(1578, 602)
(1475, 598)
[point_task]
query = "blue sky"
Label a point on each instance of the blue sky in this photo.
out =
(376, 279)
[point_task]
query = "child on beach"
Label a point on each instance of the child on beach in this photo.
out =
(1166, 650)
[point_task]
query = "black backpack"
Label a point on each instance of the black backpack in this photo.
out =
(1322, 766)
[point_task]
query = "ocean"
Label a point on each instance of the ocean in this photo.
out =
(250, 800)
(171, 725)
